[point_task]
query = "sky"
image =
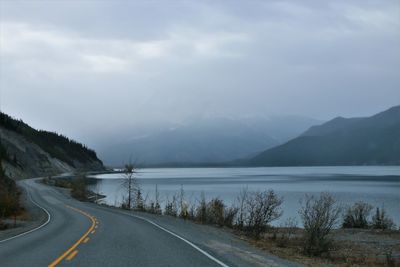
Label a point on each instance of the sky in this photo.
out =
(87, 68)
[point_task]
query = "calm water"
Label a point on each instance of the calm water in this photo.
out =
(379, 186)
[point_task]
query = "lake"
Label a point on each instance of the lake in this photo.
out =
(377, 185)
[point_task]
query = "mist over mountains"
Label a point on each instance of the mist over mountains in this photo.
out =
(371, 140)
(204, 140)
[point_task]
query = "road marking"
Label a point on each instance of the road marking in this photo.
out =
(72, 255)
(183, 239)
(94, 231)
(86, 240)
(35, 229)
(65, 254)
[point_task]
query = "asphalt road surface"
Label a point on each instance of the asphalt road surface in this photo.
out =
(84, 234)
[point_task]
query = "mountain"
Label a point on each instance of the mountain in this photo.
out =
(25, 151)
(205, 141)
(373, 140)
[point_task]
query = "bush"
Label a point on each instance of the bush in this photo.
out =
(215, 212)
(319, 216)
(262, 209)
(201, 210)
(357, 215)
(288, 229)
(381, 221)
(9, 196)
(78, 188)
(230, 215)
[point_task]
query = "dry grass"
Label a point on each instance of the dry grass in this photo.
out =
(350, 248)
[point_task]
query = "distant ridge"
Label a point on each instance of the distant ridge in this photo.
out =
(29, 152)
(205, 141)
(372, 140)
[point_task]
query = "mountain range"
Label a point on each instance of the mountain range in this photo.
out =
(205, 141)
(371, 140)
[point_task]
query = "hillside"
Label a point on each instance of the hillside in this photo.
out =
(205, 141)
(373, 140)
(29, 152)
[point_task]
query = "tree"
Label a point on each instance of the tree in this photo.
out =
(130, 185)
(171, 207)
(139, 202)
(319, 216)
(381, 221)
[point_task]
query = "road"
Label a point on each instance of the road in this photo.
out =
(85, 234)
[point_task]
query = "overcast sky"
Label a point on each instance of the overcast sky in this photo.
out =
(75, 66)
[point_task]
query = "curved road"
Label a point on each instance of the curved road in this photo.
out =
(84, 234)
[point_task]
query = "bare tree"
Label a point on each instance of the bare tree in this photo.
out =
(319, 216)
(130, 185)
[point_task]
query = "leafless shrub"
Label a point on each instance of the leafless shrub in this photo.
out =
(262, 208)
(357, 215)
(230, 215)
(319, 216)
(241, 208)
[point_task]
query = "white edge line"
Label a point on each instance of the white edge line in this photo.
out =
(183, 239)
(35, 229)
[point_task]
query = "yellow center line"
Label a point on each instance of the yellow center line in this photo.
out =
(59, 259)
(72, 255)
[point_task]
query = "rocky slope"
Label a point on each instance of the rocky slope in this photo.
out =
(26, 152)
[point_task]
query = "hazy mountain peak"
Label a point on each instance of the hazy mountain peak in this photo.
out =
(342, 141)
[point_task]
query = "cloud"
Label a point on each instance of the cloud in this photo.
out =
(135, 62)
(29, 45)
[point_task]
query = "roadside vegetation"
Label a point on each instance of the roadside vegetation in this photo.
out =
(78, 186)
(329, 233)
(10, 206)
(317, 243)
